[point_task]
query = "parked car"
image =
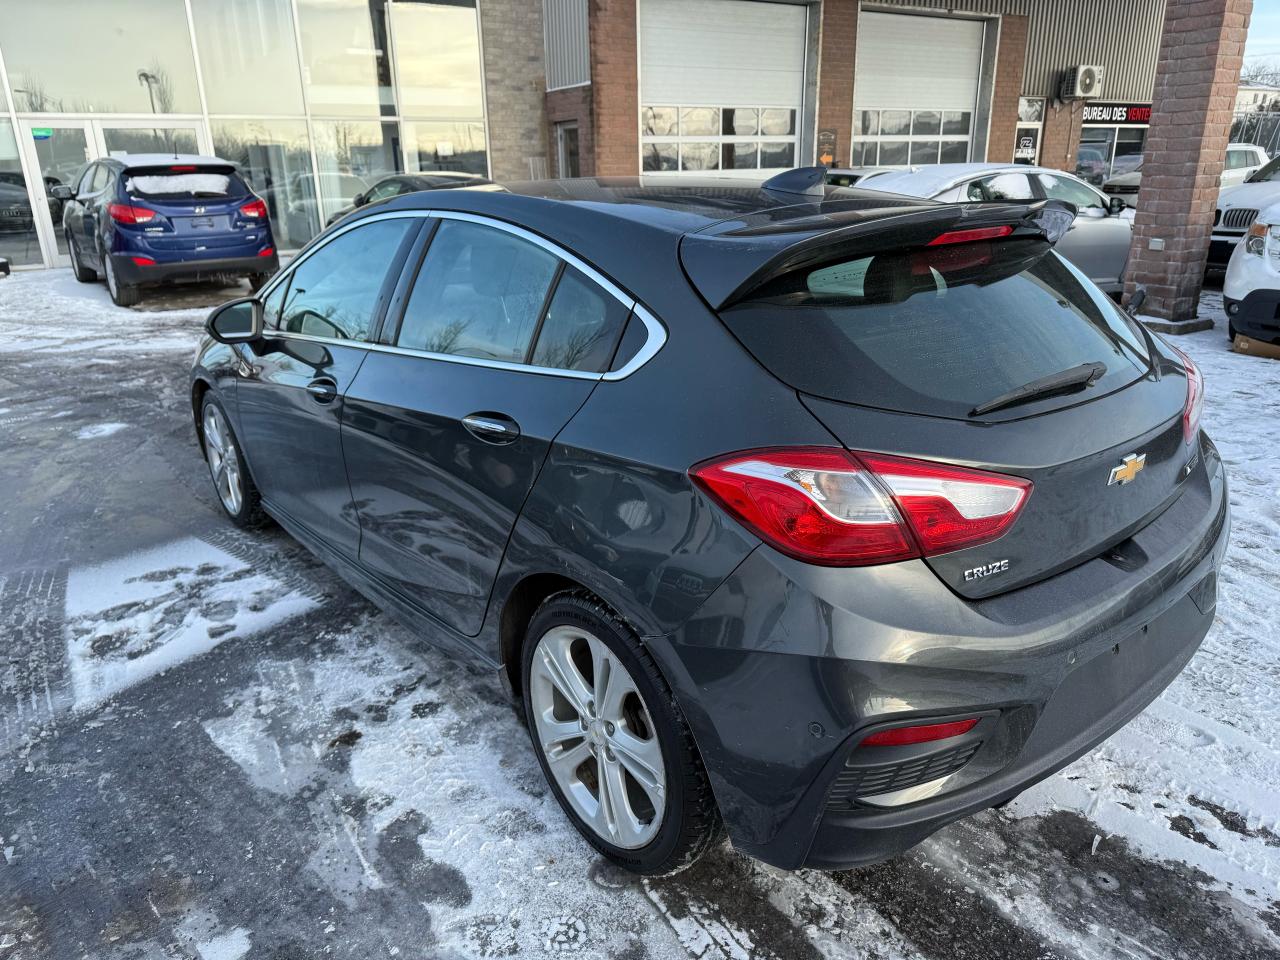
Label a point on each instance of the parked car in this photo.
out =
(1251, 288)
(148, 219)
(1238, 208)
(402, 183)
(1243, 160)
(822, 514)
(1098, 242)
(851, 176)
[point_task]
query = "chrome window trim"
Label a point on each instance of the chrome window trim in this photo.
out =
(657, 333)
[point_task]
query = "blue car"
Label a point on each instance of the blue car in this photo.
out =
(147, 219)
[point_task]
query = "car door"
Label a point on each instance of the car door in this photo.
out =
(500, 341)
(318, 321)
(90, 209)
(1098, 241)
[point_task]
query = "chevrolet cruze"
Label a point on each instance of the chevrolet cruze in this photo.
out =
(818, 517)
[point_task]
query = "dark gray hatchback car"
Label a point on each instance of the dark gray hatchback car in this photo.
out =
(823, 517)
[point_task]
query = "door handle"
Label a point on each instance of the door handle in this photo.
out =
(491, 427)
(322, 391)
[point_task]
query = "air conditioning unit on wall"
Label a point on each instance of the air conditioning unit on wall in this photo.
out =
(1082, 83)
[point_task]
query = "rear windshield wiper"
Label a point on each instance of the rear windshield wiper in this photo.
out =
(1075, 378)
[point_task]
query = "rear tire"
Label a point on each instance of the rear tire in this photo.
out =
(1231, 331)
(82, 273)
(257, 281)
(235, 489)
(122, 294)
(602, 759)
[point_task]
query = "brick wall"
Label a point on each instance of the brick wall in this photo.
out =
(1201, 51)
(615, 88)
(1011, 56)
(572, 103)
(836, 44)
(1061, 134)
(515, 84)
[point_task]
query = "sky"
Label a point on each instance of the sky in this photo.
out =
(1264, 31)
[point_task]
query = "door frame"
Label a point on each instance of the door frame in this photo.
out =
(95, 149)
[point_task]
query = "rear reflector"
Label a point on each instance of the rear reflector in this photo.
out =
(255, 209)
(266, 251)
(1194, 406)
(925, 733)
(124, 213)
(968, 236)
(832, 507)
(143, 261)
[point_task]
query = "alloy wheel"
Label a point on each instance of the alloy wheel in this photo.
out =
(597, 736)
(224, 464)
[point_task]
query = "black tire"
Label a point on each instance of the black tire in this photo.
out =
(691, 823)
(122, 294)
(249, 513)
(257, 281)
(82, 273)
(1231, 331)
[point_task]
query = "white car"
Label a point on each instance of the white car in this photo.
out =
(1251, 290)
(1238, 208)
(1098, 241)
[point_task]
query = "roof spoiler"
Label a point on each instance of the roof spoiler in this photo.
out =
(729, 260)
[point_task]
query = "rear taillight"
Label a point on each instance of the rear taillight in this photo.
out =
(255, 209)
(126, 213)
(266, 251)
(920, 733)
(1194, 406)
(832, 507)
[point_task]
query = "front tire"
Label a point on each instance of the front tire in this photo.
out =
(257, 281)
(231, 481)
(122, 294)
(612, 741)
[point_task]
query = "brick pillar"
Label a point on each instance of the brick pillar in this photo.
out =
(1061, 134)
(1200, 55)
(515, 83)
(615, 65)
(838, 40)
(1011, 57)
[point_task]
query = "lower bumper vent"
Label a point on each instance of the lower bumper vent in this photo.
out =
(869, 781)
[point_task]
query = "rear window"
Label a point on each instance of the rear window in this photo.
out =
(178, 183)
(939, 330)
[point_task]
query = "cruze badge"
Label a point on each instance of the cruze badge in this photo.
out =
(986, 570)
(1128, 469)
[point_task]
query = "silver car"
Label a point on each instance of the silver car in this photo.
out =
(1097, 243)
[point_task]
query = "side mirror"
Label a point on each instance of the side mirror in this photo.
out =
(239, 321)
(359, 200)
(62, 192)
(1117, 206)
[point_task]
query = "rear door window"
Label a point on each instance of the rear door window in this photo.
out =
(101, 176)
(479, 293)
(938, 330)
(336, 292)
(1003, 186)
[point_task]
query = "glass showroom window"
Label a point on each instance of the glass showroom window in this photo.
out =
(346, 57)
(898, 138)
(18, 243)
(248, 57)
(350, 155)
(127, 56)
(274, 156)
(456, 146)
(717, 138)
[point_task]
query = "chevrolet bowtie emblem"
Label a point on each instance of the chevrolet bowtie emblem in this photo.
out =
(1128, 470)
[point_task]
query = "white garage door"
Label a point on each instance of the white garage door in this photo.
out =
(721, 84)
(915, 88)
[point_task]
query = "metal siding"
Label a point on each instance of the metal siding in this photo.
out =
(1121, 35)
(567, 49)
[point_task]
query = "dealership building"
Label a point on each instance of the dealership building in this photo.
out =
(318, 99)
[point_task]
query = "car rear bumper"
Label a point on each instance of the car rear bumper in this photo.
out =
(788, 667)
(132, 274)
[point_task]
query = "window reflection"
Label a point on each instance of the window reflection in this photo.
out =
(446, 146)
(140, 58)
(345, 57)
(274, 156)
(351, 155)
(438, 60)
(149, 140)
(18, 242)
(248, 56)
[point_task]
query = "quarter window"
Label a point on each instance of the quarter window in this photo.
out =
(581, 326)
(334, 293)
(479, 294)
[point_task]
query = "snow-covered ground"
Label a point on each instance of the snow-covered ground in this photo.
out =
(214, 749)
